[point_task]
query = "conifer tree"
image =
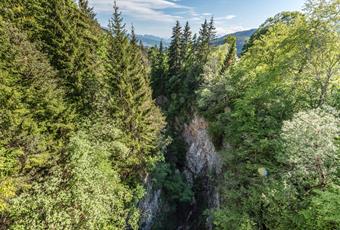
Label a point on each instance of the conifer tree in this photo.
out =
(186, 43)
(175, 61)
(231, 54)
(211, 30)
(206, 34)
(118, 78)
(68, 37)
(159, 71)
(202, 50)
(34, 119)
(203, 43)
(132, 106)
(133, 38)
(84, 7)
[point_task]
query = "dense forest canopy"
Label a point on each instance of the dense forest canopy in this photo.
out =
(92, 122)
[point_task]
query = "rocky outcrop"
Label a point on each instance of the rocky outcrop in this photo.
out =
(203, 164)
(150, 205)
(201, 157)
(202, 167)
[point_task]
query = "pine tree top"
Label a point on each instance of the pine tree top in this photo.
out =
(116, 25)
(84, 7)
(133, 37)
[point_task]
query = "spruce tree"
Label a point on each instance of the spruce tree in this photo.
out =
(203, 44)
(231, 54)
(211, 30)
(134, 40)
(186, 44)
(175, 61)
(35, 121)
(132, 106)
(84, 7)
(206, 34)
(159, 72)
(68, 37)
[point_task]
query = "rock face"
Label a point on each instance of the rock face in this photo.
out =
(202, 167)
(201, 158)
(150, 205)
(203, 164)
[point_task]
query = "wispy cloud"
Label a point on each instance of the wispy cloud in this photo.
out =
(144, 9)
(223, 30)
(161, 14)
(224, 18)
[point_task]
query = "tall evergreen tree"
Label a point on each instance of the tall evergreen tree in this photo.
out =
(206, 34)
(68, 37)
(212, 30)
(132, 106)
(134, 40)
(202, 50)
(231, 54)
(159, 71)
(175, 50)
(35, 122)
(186, 43)
(203, 44)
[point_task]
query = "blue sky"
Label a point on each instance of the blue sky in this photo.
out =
(157, 17)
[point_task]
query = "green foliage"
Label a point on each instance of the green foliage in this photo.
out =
(159, 71)
(69, 38)
(186, 46)
(231, 54)
(130, 100)
(283, 17)
(84, 7)
(79, 194)
(173, 183)
(310, 151)
(78, 127)
(323, 211)
(187, 58)
(79, 130)
(175, 61)
(283, 72)
(34, 120)
(226, 220)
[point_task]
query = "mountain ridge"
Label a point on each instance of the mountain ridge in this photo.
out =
(150, 40)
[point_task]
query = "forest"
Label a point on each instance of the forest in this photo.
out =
(98, 131)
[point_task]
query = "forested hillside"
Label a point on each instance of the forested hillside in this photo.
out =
(99, 132)
(79, 128)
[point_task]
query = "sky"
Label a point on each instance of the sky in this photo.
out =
(157, 17)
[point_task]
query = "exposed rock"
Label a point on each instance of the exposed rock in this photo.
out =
(202, 167)
(203, 164)
(161, 101)
(201, 156)
(150, 205)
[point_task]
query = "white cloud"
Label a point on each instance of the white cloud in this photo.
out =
(223, 30)
(224, 27)
(143, 9)
(228, 17)
(160, 15)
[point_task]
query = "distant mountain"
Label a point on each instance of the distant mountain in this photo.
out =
(241, 39)
(151, 40)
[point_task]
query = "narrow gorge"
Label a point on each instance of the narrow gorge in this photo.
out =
(204, 129)
(201, 170)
